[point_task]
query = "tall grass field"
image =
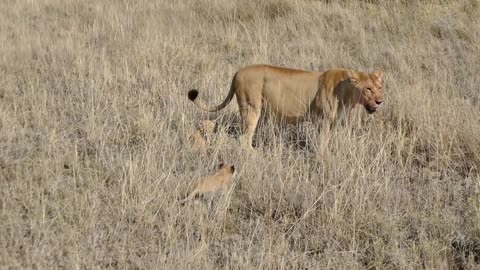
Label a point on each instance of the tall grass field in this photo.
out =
(95, 125)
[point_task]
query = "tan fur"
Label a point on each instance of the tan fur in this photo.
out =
(201, 136)
(213, 183)
(295, 95)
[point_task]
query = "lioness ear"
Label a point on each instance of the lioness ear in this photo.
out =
(221, 165)
(378, 73)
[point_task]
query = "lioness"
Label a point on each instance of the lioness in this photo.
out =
(212, 183)
(296, 95)
(201, 135)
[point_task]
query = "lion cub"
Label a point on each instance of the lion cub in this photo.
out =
(200, 137)
(213, 183)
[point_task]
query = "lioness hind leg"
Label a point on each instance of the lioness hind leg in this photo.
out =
(250, 116)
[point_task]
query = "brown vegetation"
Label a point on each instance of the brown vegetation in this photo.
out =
(94, 127)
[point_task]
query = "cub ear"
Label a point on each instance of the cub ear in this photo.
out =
(378, 73)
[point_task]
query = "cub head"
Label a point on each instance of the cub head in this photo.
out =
(228, 168)
(209, 127)
(370, 87)
(201, 135)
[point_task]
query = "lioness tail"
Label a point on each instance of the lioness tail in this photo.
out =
(193, 94)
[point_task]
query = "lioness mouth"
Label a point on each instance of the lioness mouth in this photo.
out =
(370, 110)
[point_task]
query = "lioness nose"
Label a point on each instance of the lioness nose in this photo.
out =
(378, 102)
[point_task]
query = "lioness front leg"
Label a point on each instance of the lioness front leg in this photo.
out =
(328, 121)
(343, 116)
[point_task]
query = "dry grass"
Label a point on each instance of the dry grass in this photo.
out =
(94, 126)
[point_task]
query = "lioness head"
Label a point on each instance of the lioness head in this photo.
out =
(370, 87)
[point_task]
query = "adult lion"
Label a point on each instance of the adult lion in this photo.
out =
(296, 95)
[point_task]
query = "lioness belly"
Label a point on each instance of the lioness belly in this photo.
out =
(285, 112)
(290, 99)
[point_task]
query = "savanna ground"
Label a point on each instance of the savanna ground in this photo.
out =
(94, 126)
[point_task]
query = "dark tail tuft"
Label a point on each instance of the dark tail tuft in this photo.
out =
(192, 94)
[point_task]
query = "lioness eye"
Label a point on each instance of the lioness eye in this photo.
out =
(369, 89)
